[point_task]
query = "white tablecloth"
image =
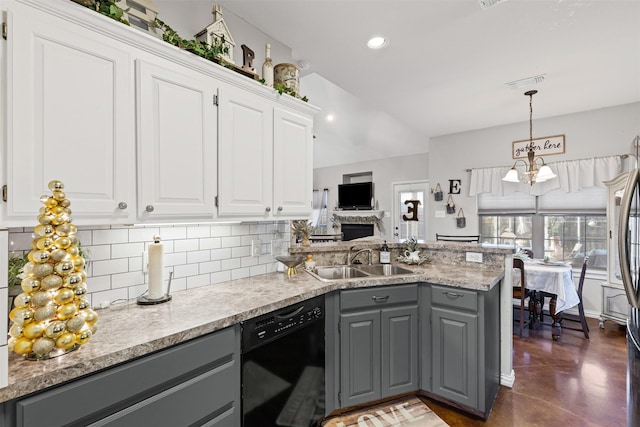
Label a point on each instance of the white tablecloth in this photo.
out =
(554, 279)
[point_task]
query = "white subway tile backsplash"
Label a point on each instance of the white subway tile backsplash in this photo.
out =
(220, 230)
(209, 267)
(198, 256)
(230, 242)
(145, 234)
(230, 264)
(210, 243)
(186, 245)
(173, 233)
(198, 232)
(127, 250)
(173, 259)
(258, 269)
(240, 229)
(197, 281)
(221, 276)
(248, 261)
(224, 253)
(99, 283)
(97, 253)
(185, 270)
(112, 266)
(240, 273)
(123, 280)
(102, 237)
(240, 251)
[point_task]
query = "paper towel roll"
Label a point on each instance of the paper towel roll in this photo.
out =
(156, 269)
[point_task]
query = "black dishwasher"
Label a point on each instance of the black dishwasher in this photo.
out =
(283, 360)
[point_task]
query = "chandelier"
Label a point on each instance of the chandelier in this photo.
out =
(536, 170)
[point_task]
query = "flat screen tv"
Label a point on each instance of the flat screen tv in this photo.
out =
(355, 196)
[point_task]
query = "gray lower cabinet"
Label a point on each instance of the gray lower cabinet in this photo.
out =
(378, 343)
(462, 364)
(196, 383)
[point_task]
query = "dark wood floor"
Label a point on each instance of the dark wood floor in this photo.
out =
(566, 383)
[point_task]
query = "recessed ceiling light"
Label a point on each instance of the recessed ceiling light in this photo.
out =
(377, 42)
(330, 117)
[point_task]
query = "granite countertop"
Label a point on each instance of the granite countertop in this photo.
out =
(127, 331)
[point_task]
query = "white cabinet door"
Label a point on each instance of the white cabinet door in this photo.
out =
(177, 124)
(292, 164)
(70, 117)
(245, 154)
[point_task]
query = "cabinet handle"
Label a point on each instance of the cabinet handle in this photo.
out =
(380, 299)
(267, 209)
(279, 208)
(122, 205)
(149, 208)
(452, 294)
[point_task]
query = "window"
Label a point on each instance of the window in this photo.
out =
(494, 227)
(570, 237)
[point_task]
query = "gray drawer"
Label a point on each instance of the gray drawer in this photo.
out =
(378, 297)
(182, 405)
(124, 384)
(454, 297)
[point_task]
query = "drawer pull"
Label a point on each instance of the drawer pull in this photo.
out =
(452, 294)
(380, 299)
(122, 205)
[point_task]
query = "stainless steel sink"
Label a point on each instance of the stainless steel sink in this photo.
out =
(337, 272)
(384, 269)
(341, 272)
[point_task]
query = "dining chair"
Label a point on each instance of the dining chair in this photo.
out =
(528, 252)
(521, 293)
(580, 317)
(452, 238)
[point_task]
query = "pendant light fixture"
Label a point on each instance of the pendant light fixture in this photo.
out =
(536, 170)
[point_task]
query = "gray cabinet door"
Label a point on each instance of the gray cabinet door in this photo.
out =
(399, 350)
(360, 357)
(455, 355)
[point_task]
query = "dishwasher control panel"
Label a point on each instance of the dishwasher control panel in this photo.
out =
(271, 325)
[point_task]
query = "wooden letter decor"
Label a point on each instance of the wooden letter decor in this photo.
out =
(247, 58)
(413, 210)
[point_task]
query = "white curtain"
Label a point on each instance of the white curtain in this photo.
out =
(319, 208)
(572, 176)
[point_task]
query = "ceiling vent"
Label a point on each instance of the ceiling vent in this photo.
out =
(485, 4)
(529, 81)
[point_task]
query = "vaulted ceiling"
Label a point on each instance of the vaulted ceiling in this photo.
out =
(447, 61)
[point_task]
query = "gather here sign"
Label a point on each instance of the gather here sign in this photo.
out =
(545, 146)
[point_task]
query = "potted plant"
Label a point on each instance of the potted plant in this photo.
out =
(302, 229)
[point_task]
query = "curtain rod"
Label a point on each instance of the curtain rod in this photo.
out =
(622, 156)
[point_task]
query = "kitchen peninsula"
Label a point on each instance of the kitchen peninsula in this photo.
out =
(129, 333)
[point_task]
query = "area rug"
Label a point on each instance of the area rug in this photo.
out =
(409, 411)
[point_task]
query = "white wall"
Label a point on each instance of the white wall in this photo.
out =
(603, 132)
(385, 172)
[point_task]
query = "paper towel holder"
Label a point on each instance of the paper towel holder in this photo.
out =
(145, 300)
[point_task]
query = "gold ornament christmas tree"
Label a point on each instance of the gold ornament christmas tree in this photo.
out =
(52, 316)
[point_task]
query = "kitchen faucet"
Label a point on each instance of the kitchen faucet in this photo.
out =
(351, 257)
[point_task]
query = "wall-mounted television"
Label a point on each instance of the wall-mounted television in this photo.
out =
(355, 196)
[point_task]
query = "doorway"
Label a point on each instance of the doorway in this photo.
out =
(409, 208)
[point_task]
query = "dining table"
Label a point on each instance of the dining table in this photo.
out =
(556, 280)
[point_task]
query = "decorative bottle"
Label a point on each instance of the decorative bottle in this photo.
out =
(385, 255)
(267, 67)
(309, 264)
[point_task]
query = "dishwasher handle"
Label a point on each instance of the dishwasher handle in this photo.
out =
(290, 314)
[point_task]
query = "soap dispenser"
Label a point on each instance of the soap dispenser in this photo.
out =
(385, 255)
(309, 264)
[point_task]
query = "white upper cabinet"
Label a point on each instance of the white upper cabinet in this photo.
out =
(292, 164)
(177, 134)
(70, 117)
(130, 125)
(245, 151)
